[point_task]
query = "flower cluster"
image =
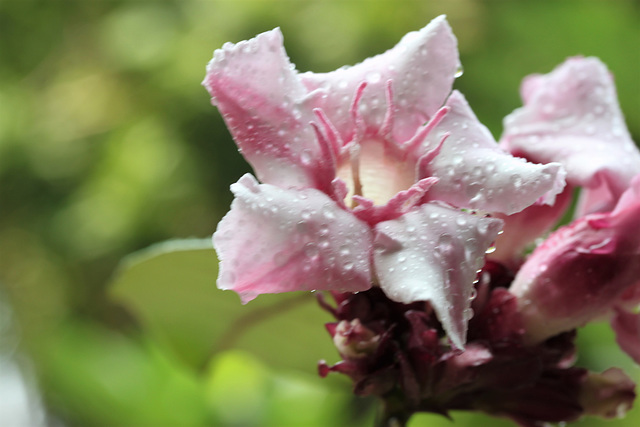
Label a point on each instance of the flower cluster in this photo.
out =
(378, 183)
(395, 351)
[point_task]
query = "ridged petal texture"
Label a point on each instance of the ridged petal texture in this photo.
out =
(582, 270)
(279, 240)
(475, 173)
(422, 67)
(572, 116)
(263, 102)
(432, 254)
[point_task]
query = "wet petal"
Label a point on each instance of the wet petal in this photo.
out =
(581, 271)
(263, 102)
(422, 67)
(432, 254)
(475, 173)
(572, 116)
(275, 240)
(522, 228)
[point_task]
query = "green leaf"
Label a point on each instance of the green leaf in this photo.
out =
(170, 288)
(98, 377)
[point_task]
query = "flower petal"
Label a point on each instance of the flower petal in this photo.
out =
(522, 228)
(422, 67)
(276, 240)
(265, 106)
(627, 327)
(581, 271)
(474, 172)
(572, 116)
(432, 254)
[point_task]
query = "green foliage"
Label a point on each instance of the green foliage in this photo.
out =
(108, 144)
(170, 287)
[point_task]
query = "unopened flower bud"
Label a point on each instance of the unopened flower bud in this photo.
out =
(608, 395)
(355, 341)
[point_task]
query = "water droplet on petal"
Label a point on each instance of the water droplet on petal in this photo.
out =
(373, 77)
(459, 71)
(305, 157)
(328, 213)
(311, 250)
(516, 180)
(468, 313)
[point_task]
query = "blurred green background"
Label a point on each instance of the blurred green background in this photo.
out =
(108, 144)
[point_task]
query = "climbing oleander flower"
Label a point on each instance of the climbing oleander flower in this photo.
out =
(572, 116)
(582, 270)
(591, 267)
(371, 175)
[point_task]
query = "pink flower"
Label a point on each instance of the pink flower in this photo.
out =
(572, 116)
(588, 268)
(581, 271)
(369, 174)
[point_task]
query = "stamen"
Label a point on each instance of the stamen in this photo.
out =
(421, 134)
(354, 159)
(334, 139)
(423, 162)
(387, 125)
(355, 114)
(326, 166)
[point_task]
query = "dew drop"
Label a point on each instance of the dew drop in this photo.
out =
(373, 77)
(328, 212)
(457, 159)
(311, 250)
(468, 313)
(459, 71)
(305, 157)
(302, 227)
(516, 180)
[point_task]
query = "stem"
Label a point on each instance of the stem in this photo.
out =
(392, 414)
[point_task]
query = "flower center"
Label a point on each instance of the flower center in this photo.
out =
(375, 172)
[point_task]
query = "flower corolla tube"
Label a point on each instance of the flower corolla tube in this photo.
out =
(376, 174)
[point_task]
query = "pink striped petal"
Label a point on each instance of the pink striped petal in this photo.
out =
(432, 254)
(581, 271)
(265, 106)
(422, 67)
(572, 116)
(522, 228)
(278, 240)
(474, 172)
